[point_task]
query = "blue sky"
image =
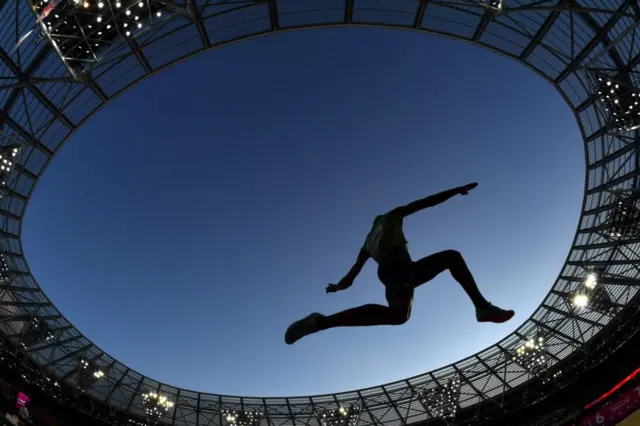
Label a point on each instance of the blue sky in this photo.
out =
(187, 224)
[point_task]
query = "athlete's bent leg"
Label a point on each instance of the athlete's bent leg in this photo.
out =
(427, 268)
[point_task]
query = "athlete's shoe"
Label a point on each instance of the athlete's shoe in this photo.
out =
(301, 328)
(493, 314)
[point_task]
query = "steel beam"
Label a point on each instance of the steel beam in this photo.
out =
(135, 393)
(542, 31)
(137, 51)
(67, 356)
(24, 134)
(107, 399)
(273, 15)
(363, 401)
(571, 340)
(74, 370)
(576, 317)
(26, 304)
(54, 344)
(13, 96)
(58, 331)
(608, 244)
(348, 11)
(395, 408)
(626, 282)
(23, 317)
(482, 25)
(23, 171)
(613, 182)
(13, 67)
(420, 12)
(17, 289)
(600, 36)
(477, 391)
(604, 208)
(492, 369)
(5, 234)
(196, 18)
(567, 296)
(609, 157)
(629, 262)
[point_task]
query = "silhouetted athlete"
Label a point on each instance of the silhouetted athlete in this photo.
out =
(400, 275)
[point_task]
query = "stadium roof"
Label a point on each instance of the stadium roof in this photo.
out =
(62, 60)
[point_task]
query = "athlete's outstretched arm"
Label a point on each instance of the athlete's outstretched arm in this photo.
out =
(432, 200)
(347, 281)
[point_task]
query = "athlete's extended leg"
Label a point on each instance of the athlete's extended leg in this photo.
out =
(362, 316)
(427, 268)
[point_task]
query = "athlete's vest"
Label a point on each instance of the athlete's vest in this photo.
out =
(386, 238)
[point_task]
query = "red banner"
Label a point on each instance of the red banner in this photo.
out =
(619, 409)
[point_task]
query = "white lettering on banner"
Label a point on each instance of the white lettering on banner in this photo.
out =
(622, 404)
(599, 418)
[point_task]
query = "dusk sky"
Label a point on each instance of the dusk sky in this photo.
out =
(195, 217)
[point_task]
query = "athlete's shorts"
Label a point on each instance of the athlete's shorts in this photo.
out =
(398, 278)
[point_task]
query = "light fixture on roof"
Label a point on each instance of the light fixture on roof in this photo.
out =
(242, 418)
(593, 296)
(618, 99)
(342, 416)
(532, 355)
(7, 158)
(156, 406)
(580, 300)
(36, 331)
(442, 400)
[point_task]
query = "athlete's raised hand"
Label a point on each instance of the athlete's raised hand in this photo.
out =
(332, 288)
(343, 284)
(464, 190)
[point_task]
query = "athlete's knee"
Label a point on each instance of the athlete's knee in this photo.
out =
(453, 256)
(400, 316)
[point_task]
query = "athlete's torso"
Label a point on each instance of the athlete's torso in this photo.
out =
(386, 242)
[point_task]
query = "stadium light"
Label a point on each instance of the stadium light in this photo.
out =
(7, 162)
(242, 418)
(36, 331)
(580, 300)
(591, 281)
(442, 401)
(532, 355)
(625, 218)
(592, 296)
(342, 416)
(87, 373)
(621, 102)
(4, 268)
(79, 29)
(155, 406)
